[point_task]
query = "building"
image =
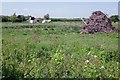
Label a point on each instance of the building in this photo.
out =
(46, 21)
(37, 20)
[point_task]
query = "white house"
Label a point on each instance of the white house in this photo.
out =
(35, 20)
(31, 21)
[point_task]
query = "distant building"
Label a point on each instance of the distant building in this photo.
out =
(31, 19)
(46, 21)
(37, 20)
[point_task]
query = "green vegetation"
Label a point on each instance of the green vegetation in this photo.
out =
(46, 17)
(58, 50)
(14, 18)
(114, 18)
(66, 19)
(22, 18)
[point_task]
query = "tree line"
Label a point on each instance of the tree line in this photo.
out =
(22, 18)
(14, 18)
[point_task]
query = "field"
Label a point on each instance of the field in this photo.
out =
(58, 50)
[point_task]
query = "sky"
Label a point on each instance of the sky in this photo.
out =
(60, 0)
(59, 9)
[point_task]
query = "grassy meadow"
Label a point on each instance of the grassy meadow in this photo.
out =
(58, 50)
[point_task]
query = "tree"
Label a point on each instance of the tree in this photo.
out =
(46, 17)
(14, 14)
(14, 17)
(26, 17)
(4, 19)
(114, 18)
(20, 18)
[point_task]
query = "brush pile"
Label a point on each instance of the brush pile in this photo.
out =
(97, 22)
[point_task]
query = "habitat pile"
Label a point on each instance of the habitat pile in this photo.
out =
(98, 22)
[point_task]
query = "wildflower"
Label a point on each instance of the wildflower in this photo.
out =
(29, 60)
(102, 67)
(85, 66)
(60, 50)
(3, 76)
(117, 63)
(95, 56)
(65, 34)
(87, 61)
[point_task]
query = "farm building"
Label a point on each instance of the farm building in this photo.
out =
(31, 19)
(46, 21)
(37, 20)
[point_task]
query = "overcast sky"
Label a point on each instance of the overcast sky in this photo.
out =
(60, 0)
(59, 9)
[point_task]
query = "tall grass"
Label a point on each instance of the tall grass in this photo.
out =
(59, 51)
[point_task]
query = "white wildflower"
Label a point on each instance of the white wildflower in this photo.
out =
(102, 67)
(87, 61)
(3, 76)
(60, 50)
(95, 56)
(85, 66)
